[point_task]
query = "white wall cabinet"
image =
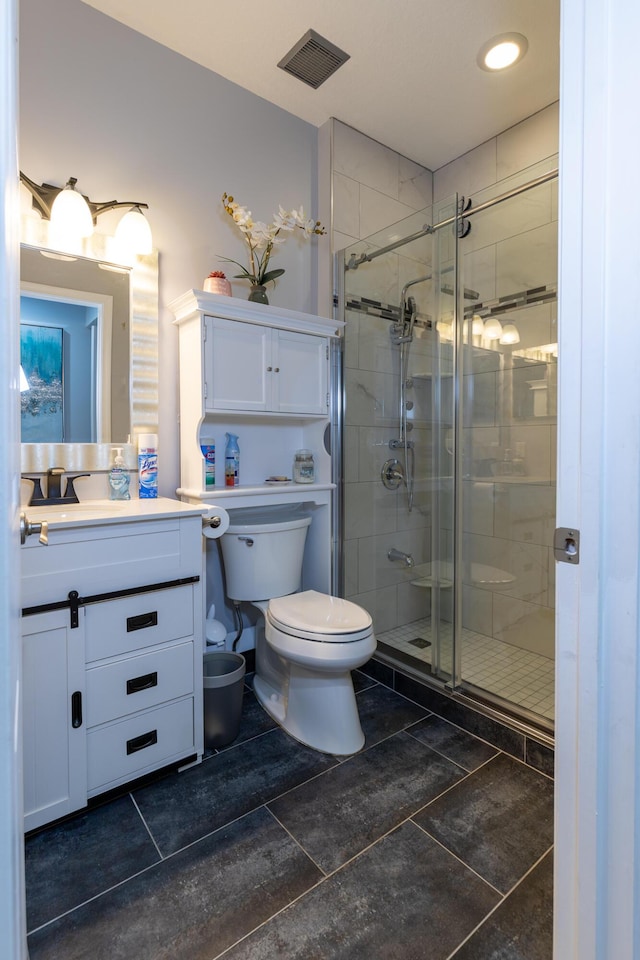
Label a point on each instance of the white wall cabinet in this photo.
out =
(260, 372)
(112, 685)
(250, 367)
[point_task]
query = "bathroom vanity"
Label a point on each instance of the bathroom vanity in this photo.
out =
(112, 613)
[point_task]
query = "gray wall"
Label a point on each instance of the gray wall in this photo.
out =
(134, 121)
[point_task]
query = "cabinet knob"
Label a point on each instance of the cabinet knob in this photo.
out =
(276, 369)
(269, 369)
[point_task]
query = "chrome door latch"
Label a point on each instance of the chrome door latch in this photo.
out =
(27, 528)
(566, 545)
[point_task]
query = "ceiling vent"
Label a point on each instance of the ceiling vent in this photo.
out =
(313, 59)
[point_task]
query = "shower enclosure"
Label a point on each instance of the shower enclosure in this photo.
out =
(448, 441)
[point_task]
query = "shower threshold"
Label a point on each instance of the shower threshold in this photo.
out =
(519, 677)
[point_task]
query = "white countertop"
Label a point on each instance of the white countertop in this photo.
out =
(90, 512)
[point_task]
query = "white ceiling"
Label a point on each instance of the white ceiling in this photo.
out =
(412, 81)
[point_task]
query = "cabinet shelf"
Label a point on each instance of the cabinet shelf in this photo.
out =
(290, 490)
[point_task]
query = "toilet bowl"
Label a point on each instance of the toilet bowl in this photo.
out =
(307, 643)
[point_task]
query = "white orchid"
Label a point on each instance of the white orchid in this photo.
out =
(260, 236)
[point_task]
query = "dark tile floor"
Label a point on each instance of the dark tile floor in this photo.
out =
(428, 844)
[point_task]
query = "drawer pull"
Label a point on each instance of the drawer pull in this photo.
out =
(141, 742)
(76, 709)
(142, 621)
(136, 684)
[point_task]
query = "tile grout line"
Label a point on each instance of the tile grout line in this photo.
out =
(464, 863)
(297, 842)
(504, 898)
(147, 828)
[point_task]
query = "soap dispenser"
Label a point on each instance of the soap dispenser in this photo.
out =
(118, 477)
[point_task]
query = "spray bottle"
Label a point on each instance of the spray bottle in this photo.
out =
(231, 461)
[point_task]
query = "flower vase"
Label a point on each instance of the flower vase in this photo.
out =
(258, 293)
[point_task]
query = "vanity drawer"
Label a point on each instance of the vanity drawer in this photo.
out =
(115, 627)
(135, 683)
(131, 747)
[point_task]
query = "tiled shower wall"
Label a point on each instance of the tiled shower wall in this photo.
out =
(374, 187)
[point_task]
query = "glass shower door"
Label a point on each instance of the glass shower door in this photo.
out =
(508, 441)
(398, 437)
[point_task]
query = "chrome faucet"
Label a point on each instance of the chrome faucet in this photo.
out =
(54, 492)
(406, 558)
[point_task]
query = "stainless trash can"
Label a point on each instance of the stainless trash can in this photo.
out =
(223, 689)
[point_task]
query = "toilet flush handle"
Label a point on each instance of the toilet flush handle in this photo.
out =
(247, 540)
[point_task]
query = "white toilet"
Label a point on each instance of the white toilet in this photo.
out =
(308, 643)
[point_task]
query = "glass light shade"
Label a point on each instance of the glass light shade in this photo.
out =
(133, 234)
(477, 326)
(24, 383)
(70, 214)
(492, 329)
(510, 334)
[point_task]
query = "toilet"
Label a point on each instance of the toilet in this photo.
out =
(307, 643)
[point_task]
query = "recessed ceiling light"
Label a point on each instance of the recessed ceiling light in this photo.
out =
(502, 51)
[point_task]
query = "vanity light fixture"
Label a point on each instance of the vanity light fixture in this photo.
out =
(73, 216)
(502, 51)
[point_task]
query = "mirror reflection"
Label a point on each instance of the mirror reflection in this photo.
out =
(75, 349)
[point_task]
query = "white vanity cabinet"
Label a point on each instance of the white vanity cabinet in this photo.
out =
(112, 651)
(255, 368)
(53, 732)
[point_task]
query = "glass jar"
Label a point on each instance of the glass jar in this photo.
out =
(303, 467)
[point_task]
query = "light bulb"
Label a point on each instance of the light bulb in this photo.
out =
(477, 326)
(71, 219)
(133, 234)
(510, 334)
(492, 329)
(502, 51)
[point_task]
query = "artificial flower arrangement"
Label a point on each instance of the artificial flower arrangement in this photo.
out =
(262, 239)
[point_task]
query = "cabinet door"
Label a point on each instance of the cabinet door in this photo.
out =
(54, 738)
(238, 365)
(301, 373)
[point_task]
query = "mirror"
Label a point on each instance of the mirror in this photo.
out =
(106, 345)
(74, 349)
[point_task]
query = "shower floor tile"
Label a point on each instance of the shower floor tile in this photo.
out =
(523, 678)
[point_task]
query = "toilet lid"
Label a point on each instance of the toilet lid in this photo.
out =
(317, 616)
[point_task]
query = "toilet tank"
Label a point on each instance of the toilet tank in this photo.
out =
(262, 552)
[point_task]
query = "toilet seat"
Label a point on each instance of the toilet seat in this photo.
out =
(319, 617)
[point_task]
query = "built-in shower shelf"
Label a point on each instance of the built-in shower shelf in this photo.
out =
(428, 582)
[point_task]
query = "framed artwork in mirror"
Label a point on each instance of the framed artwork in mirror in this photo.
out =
(42, 402)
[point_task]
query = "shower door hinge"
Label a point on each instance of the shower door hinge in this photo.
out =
(566, 545)
(327, 401)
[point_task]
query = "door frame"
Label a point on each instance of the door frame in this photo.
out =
(12, 903)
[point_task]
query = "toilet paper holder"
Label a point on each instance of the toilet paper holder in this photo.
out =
(212, 522)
